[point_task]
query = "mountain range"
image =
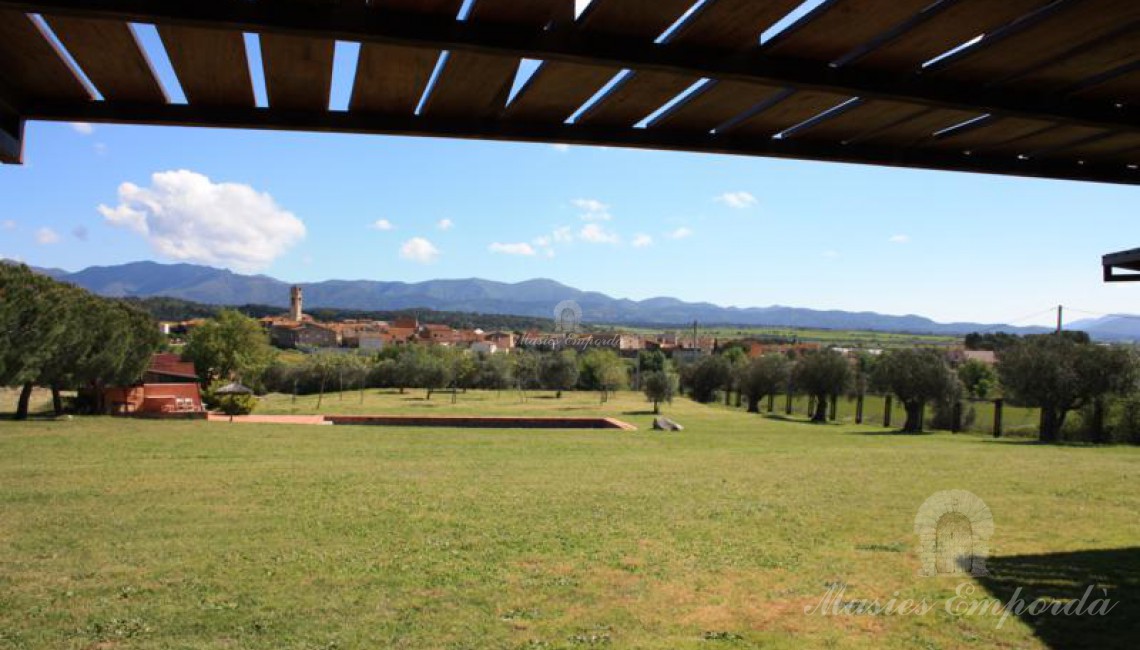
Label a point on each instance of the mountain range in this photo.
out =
(530, 298)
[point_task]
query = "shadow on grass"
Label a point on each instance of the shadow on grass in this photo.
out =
(1061, 578)
(892, 432)
(640, 413)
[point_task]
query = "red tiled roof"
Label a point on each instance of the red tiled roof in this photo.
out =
(171, 364)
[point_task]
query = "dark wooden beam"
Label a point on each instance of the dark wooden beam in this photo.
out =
(12, 142)
(1114, 263)
(11, 129)
(1111, 275)
(492, 129)
(357, 22)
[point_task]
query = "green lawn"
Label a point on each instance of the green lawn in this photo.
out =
(139, 534)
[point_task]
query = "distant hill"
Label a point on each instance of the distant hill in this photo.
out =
(534, 298)
(1114, 327)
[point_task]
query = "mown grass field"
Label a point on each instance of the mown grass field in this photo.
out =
(140, 534)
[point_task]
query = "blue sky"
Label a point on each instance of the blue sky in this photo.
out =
(637, 224)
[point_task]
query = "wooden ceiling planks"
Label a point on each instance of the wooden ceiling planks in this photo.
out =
(298, 71)
(391, 79)
(33, 67)
(1042, 142)
(1112, 147)
(643, 94)
(1122, 89)
(951, 25)
(1071, 69)
(1071, 26)
(984, 134)
(868, 116)
(914, 130)
(732, 24)
(713, 105)
(840, 27)
(478, 85)
(109, 54)
(211, 65)
(557, 90)
(792, 110)
(636, 97)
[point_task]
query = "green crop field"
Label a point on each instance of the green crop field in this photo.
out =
(143, 534)
(842, 338)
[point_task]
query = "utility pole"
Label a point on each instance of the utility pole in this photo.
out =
(1060, 318)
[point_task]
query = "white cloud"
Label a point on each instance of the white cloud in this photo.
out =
(737, 200)
(900, 239)
(8, 224)
(593, 209)
(186, 216)
(680, 233)
(418, 249)
(445, 224)
(548, 252)
(83, 128)
(382, 224)
(642, 241)
(81, 233)
(521, 248)
(561, 148)
(543, 241)
(563, 235)
(47, 236)
(595, 234)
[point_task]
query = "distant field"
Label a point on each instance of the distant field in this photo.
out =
(139, 534)
(841, 338)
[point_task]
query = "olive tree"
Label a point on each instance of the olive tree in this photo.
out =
(766, 375)
(659, 386)
(1059, 375)
(558, 371)
(916, 376)
(706, 376)
(821, 374)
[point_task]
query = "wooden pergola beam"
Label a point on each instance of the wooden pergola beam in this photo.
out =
(11, 129)
(1114, 263)
(356, 22)
(491, 129)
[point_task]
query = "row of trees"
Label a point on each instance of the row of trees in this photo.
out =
(58, 336)
(1058, 374)
(437, 368)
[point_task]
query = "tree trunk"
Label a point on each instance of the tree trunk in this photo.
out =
(56, 400)
(739, 398)
(1099, 435)
(1051, 423)
(820, 416)
(913, 422)
(727, 395)
(22, 405)
(753, 403)
(558, 394)
(656, 407)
